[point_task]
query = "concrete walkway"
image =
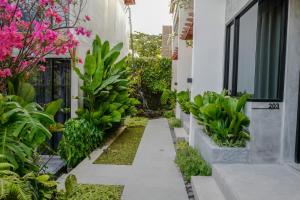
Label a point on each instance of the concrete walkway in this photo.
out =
(153, 175)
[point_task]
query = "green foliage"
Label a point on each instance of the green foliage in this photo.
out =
(174, 123)
(183, 99)
(190, 161)
(75, 191)
(146, 45)
(28, 187)
(168, 99)
(151, 77)
(136, 121)
(21, 89)
(169, 114)
(23, 129)
(80, 138)
(105, 86)
(223, 118)
(123, 150)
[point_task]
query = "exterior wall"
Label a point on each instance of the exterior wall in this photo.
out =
(291, 83)
(208, 51)
(166, 50)
(109, 21)
(273, 132)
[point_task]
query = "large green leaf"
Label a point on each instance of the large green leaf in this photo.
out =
(53, 107)
(26, 91)
(90, 64)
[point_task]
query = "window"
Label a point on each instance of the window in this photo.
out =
(255, 51)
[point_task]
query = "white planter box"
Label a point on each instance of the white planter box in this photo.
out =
(212, 153)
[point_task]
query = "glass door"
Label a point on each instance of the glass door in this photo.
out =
(55, 84)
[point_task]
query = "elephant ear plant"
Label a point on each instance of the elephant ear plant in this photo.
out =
(223, 118)
(105, 86)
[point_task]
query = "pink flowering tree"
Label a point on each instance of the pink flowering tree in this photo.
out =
(32, 29)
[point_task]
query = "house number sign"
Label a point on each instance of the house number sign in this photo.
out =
(271, 106)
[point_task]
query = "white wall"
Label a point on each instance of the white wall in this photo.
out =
(109, 21)
(208, 48)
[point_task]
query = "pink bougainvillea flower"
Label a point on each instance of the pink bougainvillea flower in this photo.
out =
(87, 18)
(42, 68)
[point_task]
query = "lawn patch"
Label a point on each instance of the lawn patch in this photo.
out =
(123, 150)
(96, 192)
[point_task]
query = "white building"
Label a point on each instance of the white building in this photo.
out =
(182, 51)
(250, 46)
(109, 19)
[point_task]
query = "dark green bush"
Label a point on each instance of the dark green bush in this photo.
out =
(80, 138)
(183, 99)
(223, 118)
(190, 161)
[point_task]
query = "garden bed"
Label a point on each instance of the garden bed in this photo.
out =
(212, 153)
(96, 192)
(123, 150)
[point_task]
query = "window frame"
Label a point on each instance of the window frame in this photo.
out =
(235, 22)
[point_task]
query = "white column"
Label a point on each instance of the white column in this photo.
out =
(208, 51)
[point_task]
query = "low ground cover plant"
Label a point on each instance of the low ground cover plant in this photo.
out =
(136, 121)
(190, 161)
(223, 118)
(123, 150)
(183, 98)
(174, 122)
(169, 114)
(75, 191)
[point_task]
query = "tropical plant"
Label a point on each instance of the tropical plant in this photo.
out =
(183, 99)
(223, 118)
(23, 128)
(27, 187)
(80, 138)
(105, 86)
(190, 161)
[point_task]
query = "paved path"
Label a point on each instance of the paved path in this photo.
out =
(153, 175)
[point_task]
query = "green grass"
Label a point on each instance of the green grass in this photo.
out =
(136, 121)
(124, 148)
(190, 161)
(96, 192)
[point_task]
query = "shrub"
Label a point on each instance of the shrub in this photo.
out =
(80, 138)
(183, 99)
(190, 161)
(169, 114)
(175, 123)
(223, 118)
(151, 77)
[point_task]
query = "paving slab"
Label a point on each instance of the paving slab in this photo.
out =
(257, 181)
(205, 188)
(153, 175)
(181, 134)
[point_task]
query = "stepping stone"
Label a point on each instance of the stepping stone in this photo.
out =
(181, 134)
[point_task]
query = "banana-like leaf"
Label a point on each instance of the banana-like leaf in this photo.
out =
(90, 65)
(53, 107)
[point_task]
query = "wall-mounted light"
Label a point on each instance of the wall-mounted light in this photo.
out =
(190, 80)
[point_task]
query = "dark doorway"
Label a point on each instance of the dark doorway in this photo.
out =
(55, 84)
